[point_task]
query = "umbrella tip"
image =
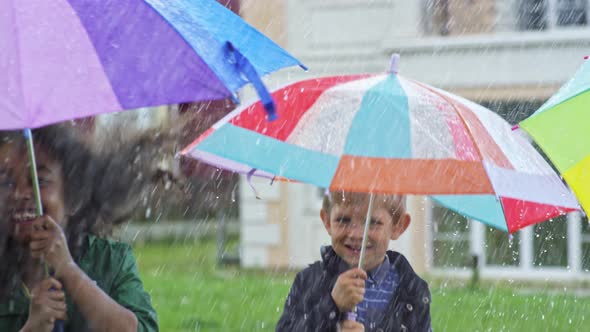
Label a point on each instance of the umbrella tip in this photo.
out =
(394, 63)
(271, 112)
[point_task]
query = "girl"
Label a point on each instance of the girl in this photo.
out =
(59, 266)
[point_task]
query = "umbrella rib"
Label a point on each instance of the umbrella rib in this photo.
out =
(448, 100)
(231, 93)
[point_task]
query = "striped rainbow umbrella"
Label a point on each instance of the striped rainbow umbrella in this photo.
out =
(561, 127)
(388, 134)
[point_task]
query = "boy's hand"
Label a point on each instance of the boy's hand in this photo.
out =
(351, 326)
(48, 304)
(349, 289)
(49, 243)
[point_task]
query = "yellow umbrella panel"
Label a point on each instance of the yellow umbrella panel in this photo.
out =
(561, 127)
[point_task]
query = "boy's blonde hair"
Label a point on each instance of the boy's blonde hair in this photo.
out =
(396, 204)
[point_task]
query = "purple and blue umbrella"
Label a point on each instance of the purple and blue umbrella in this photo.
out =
(68, 59)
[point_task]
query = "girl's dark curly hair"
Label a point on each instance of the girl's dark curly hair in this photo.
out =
(97, 190)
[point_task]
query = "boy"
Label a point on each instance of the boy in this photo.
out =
(389, 296)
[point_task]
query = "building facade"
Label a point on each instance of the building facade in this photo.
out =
(509, 55)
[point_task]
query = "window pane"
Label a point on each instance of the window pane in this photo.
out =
(514, 111)
(585, 244)
(531, 15)
(500, 250)
(571, 12)
(451, 238)
(451, 253)
(550, 242)
(448, 221)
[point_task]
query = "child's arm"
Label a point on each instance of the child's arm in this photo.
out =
(103, 313)
(128, 291)
(299, 314)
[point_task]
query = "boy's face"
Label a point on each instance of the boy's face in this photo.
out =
(345, 225)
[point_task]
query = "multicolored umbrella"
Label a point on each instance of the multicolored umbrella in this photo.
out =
(388, 134)
(561, 127)
(67, 59)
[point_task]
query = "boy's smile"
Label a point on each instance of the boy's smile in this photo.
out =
(345, 225)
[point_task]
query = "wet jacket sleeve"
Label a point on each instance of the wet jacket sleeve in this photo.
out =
(128, 291)
(302, 314)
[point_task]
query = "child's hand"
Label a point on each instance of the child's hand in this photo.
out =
(349, 289)
(48, 242)
(351, 326)
(48, 304)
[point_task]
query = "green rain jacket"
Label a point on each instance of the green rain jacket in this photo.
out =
(112, 265)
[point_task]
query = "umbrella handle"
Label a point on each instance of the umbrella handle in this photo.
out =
(366, 231)
(33, 167)
(59, 324)
(247, 69)
(352, 315)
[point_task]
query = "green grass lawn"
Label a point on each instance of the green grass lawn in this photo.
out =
(191, 294)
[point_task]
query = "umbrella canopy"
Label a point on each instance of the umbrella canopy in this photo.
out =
(561, 127)
(387, 134)
(68, 59)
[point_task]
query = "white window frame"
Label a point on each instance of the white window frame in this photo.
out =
(525, 270)
(448, 237)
